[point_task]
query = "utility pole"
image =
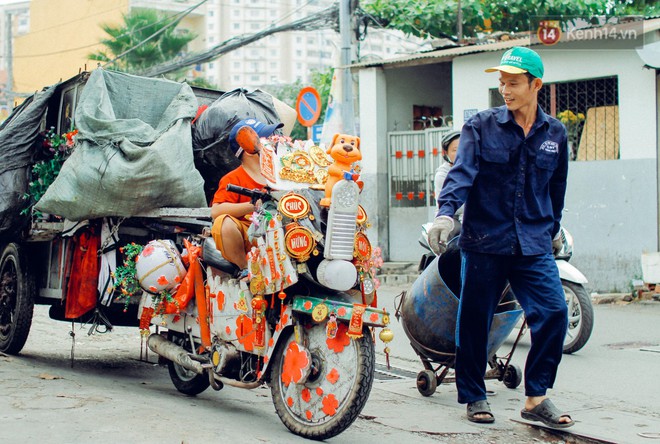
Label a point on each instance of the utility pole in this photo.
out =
(459, 23)
(346, 9)
(9, 59)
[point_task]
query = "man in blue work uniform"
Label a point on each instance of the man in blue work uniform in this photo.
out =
(511, 174)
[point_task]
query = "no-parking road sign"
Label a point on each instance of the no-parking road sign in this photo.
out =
(308, 106)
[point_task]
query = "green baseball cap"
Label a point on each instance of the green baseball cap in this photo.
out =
(519, 60)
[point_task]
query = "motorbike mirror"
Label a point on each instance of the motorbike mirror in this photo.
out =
(248, 139)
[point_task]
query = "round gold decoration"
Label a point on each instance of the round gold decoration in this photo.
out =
(299, 242)
(361, 246)
(319, 156)
(320, 312)
(294, 206)
(361, 218)
(386, 335)
(321, 175)
(301, 160)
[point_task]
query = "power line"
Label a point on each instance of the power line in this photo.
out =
(326, 18)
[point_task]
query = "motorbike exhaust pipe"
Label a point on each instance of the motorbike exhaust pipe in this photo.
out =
(173, 352)
(179, 355)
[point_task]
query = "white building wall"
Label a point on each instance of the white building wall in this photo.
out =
(637, 123)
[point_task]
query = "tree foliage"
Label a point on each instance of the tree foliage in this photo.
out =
(438, 18)
(145, 38)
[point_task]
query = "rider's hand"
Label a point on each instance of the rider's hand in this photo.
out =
(557, 243)
(439, 233)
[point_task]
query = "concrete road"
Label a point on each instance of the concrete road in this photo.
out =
(111, 396)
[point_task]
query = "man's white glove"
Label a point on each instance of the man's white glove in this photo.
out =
(439, 233)
(557, 243)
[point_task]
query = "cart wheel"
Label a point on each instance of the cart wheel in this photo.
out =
(186, 381)
(17, 293)
(426, 382)
(512, 376)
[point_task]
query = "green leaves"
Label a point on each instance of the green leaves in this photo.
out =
(146, 38)
(438, 18)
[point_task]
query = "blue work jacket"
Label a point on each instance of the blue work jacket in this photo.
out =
(513, 186)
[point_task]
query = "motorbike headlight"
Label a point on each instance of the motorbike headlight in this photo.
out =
(337, 274)
(567, 247)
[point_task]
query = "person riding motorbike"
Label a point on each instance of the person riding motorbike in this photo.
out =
(449, 145)
(230, 211)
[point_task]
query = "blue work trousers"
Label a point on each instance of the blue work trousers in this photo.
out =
(536, 284)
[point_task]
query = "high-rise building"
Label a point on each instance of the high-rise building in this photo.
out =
(53, 41)
(14, 21)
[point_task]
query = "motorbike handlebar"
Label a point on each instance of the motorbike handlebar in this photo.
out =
(254, 194)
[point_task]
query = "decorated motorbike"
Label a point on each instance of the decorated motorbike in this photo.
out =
(302, 322)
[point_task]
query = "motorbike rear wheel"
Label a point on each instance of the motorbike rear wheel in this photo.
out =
(17, 293)
(186, 381)
(580, 316)
(332, 396)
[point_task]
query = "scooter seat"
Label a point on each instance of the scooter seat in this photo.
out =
(213, 257)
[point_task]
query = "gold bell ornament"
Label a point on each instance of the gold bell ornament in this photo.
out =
(386, 335)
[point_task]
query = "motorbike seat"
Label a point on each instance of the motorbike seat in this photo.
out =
(213, 257)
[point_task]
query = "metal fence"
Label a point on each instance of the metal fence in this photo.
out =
(413, 158)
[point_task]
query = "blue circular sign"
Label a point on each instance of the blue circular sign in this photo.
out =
(308, 106)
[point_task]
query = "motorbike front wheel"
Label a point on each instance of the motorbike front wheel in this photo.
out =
(580, 316)
(330, 397)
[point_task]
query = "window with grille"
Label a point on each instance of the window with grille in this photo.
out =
(590, 111)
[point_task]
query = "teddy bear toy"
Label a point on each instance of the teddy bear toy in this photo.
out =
(345, 151)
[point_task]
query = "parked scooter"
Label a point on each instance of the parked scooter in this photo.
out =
(580, 309)
(301, 326)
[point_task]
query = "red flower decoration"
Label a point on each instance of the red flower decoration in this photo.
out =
(306, 394)
(319, 391)
(162, 280)
(332, 376)
(289, 401)
(309, 415)
(330, 405)
(148, 250)
(221, 300)
(340, 340)
(341, 311)
(228, 330)
(177, 278)
(374, 317)
(284, 319)
(153, 289)
(307, 305)
(244, 332)
(271, 342)
(296, 364)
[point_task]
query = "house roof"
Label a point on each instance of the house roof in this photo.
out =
(445, 55)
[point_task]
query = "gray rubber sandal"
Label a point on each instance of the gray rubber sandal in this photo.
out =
(480, 408)
(548, 414)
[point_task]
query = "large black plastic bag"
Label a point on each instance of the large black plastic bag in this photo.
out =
(213, 158)
(18, 135)
(133, 150)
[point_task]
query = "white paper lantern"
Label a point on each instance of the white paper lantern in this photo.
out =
(159, 267)
(337, 274)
